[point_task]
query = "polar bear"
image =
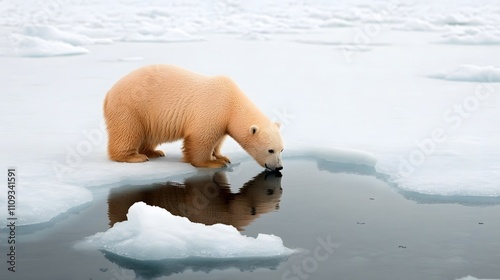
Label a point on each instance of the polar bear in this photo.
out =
(162, 103)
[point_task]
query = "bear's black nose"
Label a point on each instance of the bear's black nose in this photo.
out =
(279, 168)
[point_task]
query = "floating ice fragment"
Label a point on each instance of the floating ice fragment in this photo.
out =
(153, 233)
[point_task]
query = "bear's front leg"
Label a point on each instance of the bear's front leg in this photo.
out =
(216, 154)
(198, 151)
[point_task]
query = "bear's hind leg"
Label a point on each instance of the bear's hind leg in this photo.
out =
(199, 152)
(130, 155)
(124, 142)
(134, 158)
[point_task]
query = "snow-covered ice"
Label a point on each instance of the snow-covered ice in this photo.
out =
(417, 24)
(152, 233)
(34, 207)
(53, 34)
(471, 73)
(473, 278)
(161, 35)
(29, 46)
(350, 82)
(338, 155)
(489, 35)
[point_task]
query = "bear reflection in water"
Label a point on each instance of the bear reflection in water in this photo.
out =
(204, 199)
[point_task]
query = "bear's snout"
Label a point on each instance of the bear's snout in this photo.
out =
(275, 168)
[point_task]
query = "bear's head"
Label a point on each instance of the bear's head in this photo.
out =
(265, 145)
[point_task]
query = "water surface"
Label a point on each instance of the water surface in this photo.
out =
(349, 223)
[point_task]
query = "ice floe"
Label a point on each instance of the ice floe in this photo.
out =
(42, 200)
(152, 233)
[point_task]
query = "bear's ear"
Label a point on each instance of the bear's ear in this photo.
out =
(277, 124)
(254, 129)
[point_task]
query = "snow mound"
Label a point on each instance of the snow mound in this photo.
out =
(51, 33)
(416, 24)
(473, 278)
(472, 36)
(471, 73)
(45, 41)
(322, 42)
(159, 34)
(153, 233)
(255, 36)
(462, 18)
(335, 22)
(40, 201)
(28, 46)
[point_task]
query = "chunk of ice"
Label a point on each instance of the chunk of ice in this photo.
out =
(153, 233)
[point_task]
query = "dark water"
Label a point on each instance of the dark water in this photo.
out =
(349, 222)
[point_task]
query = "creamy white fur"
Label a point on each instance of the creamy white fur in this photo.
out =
(163, 103)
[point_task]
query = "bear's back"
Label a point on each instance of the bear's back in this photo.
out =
(170, 87)
(169, 102)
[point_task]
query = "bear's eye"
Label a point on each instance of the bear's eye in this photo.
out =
(282, 150)
(271, 151)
